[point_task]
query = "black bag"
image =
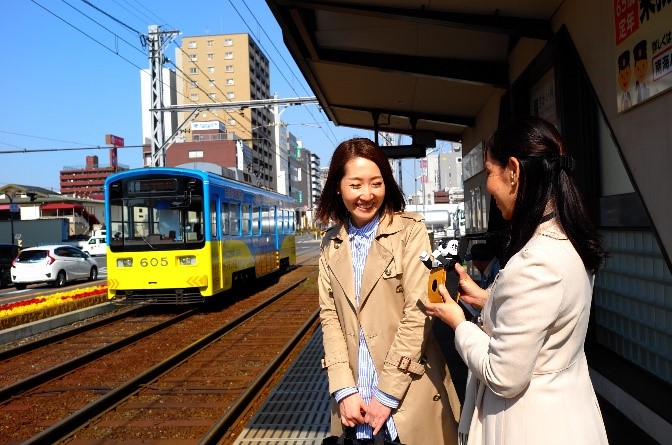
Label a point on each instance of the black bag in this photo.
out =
(349, 437)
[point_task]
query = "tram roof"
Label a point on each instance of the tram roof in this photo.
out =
(424, 68)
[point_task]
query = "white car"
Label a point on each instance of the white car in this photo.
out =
(55, 264)
(96, 245)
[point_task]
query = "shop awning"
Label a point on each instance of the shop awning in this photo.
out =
(4, 206)
(61, 206)
(76, 208)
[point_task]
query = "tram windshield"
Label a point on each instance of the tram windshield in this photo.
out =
(156, 222)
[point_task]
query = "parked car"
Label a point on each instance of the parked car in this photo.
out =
(7, 254)
(54, 264)
(97, 245)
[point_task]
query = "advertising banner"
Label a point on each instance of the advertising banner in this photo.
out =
(643, 55)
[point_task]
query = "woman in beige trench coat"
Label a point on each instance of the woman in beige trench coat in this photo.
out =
(531, 376)
(386, 371)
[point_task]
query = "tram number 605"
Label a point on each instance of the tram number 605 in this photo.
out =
(154, 262)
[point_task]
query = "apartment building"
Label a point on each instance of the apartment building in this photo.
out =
(229, 68)
(89, 180)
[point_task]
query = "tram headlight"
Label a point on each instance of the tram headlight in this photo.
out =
(124, 262)
(189, 260)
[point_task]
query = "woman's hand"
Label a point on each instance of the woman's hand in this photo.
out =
(470, 291)
(449, 311)
(352, 409)
(376, 415)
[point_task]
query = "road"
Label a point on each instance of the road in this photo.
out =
(11, 295)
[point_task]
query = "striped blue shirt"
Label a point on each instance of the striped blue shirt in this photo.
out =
(360, 242)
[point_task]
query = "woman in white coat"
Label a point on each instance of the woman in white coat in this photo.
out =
(526, 359)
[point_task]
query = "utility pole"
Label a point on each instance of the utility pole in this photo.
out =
(275, 109)
(157, 42)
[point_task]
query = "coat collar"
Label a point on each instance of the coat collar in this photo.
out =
(552, 229)
(378, 260)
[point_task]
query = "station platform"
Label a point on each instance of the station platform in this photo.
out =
(297, 412)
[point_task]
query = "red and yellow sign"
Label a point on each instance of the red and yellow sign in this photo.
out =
(643, 56)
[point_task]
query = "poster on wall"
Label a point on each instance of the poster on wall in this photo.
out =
(472, 162)
(643, 56)
(542, 99)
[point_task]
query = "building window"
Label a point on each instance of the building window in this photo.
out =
(211, 43)
(193, 57)
(211, 69)
(228, 42)
(211, 56)
(230, 95)
(229, 82)
(193, 70)
(192, 44)
(193, 84)
(232, 122)
(228, 55)
(193, 96)
(195, 154)
(228, 68)
(212, 82)
(213, 96)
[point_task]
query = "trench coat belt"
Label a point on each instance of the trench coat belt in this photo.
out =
(405, 364)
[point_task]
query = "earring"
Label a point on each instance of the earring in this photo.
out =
(512, 179)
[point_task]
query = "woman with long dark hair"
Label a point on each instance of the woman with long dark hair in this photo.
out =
(529, 381)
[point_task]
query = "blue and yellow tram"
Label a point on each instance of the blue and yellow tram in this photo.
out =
(177, 235)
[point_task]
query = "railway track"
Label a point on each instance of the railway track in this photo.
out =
(66, 394)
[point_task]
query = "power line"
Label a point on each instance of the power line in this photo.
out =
(42, 150)
(40, 137)
(111, 17)
(87, 35)
(104, 27)
(276, 65)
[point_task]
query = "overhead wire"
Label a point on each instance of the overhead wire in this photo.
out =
(87, 35)
(185, 76)
(276, 65)
(104, 27)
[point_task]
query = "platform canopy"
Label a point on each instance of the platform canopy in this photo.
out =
(421, 68)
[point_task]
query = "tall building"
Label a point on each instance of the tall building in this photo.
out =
(89, 180)
(229, 68)
(450, 167)
(316, 185)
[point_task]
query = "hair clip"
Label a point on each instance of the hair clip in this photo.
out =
(565, 162)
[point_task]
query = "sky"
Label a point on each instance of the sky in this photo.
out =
(72, 75)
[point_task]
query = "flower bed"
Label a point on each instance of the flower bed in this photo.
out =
(26, 311)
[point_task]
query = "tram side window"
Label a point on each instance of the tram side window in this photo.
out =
(246, 219)
(267, 220)
(213, 219)
(118, 223)
(281, 225)
(195, 226)
(255, 220)
(225, 218)
(234, 219)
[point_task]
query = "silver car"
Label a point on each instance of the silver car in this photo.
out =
(55, 264)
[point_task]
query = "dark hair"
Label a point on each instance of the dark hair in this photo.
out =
(545, 175)
(481, 252)
(331, 206)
